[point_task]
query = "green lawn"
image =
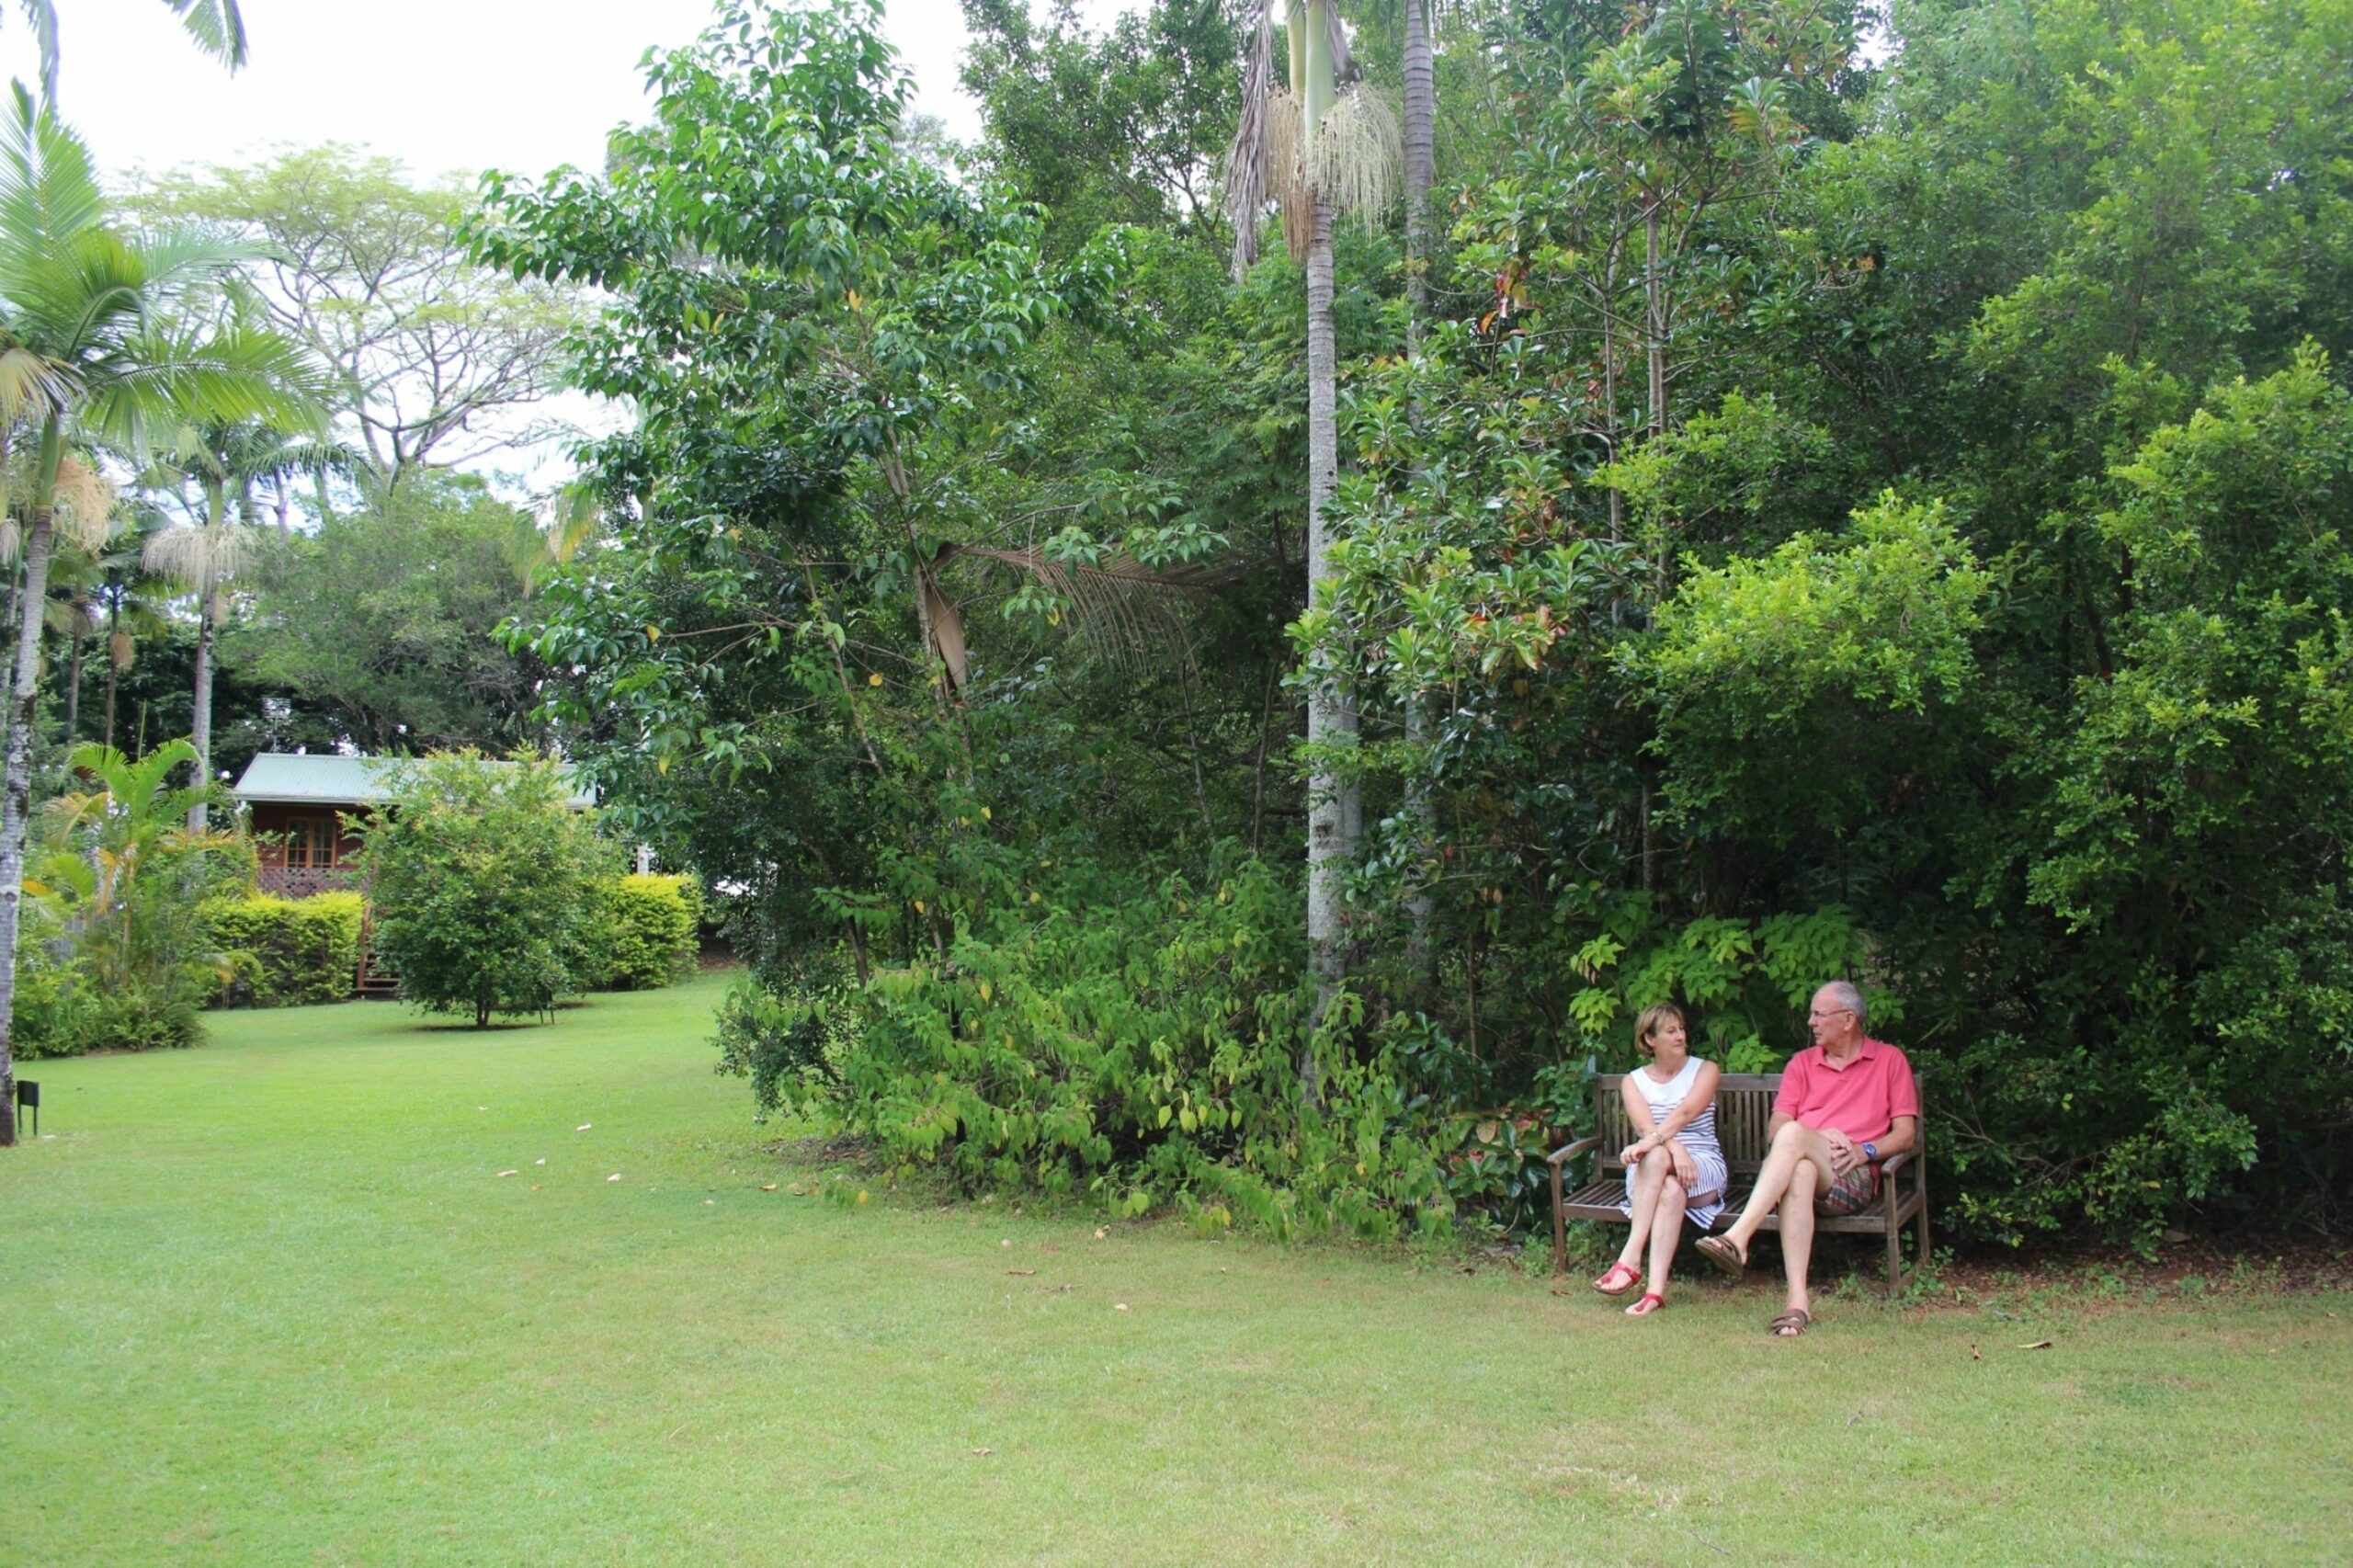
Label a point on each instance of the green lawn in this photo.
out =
(271, 1302)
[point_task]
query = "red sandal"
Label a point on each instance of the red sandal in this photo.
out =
(1610, 1284)
(1651, 1301)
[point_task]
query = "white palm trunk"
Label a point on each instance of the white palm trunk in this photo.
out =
(1330, 722)
(16, 791)
(1421, 173)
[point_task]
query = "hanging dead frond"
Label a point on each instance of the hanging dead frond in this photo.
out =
(1246, 184)
(122, 647)
(1345, 68)
(1353, 159)
(947, 634)
(1128, 613)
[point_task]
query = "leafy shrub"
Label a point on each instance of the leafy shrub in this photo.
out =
(482, 879)
(787, 1048)
(1135, 1041)
(284, 952)
(643, 933)
(114, 954)
(55, 1013)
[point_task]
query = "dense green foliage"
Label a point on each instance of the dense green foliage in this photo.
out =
(642, 932)
(1878, 522)
(482, 879)
(287, 953)
(379, 625)
(117, 955)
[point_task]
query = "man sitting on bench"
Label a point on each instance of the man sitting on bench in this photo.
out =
(1847, 1102)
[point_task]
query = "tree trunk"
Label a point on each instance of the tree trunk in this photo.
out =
(17, 779)
(1654, 317)
(201, 735)
(1421, 173)
(1329, 723)
(114, 668)
(1421, 162)
(73, 693)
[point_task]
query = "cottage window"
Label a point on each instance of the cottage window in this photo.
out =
(311, 842)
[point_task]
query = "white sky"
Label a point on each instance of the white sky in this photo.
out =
(445, 85)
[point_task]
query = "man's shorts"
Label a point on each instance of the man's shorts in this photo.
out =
(1852, 1194)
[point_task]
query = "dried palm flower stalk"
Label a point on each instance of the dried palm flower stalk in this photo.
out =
(1353, 160)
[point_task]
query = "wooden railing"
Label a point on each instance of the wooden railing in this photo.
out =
(302, 881)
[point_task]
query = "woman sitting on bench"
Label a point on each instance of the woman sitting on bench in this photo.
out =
(1675, 1170)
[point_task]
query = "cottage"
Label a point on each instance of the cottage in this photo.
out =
(303, 809)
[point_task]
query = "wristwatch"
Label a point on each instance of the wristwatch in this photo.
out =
(1870, 1152)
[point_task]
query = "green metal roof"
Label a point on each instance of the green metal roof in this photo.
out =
(301, 779)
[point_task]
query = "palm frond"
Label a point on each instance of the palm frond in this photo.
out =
(217, 25)
(186, 256)
(41, 16)
(32, 385)
(1127, 612)
(163, 384)
(49, 186)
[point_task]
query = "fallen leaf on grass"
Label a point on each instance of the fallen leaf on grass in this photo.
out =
(708, 1202)
(2037, 1345)
(1120, 1307)
(583, 1127)
(615, 1176)
(1005, 1243)
(538, 1162)
(984, 1450)
(1058, 1286)
(1975, 1354)
(481, 1107)
(770, 1188)
(1100, 1233)
(510, 1173)
(1023, 1272)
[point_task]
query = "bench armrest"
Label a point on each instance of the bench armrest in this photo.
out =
(1560, 1156)
(1893, 1163)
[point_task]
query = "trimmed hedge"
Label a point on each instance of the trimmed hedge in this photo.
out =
(643, 934)
(283, 952)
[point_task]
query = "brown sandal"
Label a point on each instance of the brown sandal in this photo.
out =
(1790, 1324)
(1720, 1251)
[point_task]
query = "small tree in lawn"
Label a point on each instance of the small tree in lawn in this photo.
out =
(481, 877)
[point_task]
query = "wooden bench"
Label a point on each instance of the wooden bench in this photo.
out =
(1743, 1108)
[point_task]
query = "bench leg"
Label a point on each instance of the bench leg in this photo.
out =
(1560, 1224)
(1924, 1217)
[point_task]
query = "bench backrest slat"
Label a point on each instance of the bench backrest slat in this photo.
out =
(1744, 1107)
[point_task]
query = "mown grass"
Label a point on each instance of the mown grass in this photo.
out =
(269, 1302)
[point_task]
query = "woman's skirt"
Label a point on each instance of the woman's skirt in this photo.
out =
(1714, 1181)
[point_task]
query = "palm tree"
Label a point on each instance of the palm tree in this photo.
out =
(216, 26)
(228, 461)
(1323, 143)
(80, 344)
(129, 599)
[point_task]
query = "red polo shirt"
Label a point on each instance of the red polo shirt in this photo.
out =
(1861, 1099)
